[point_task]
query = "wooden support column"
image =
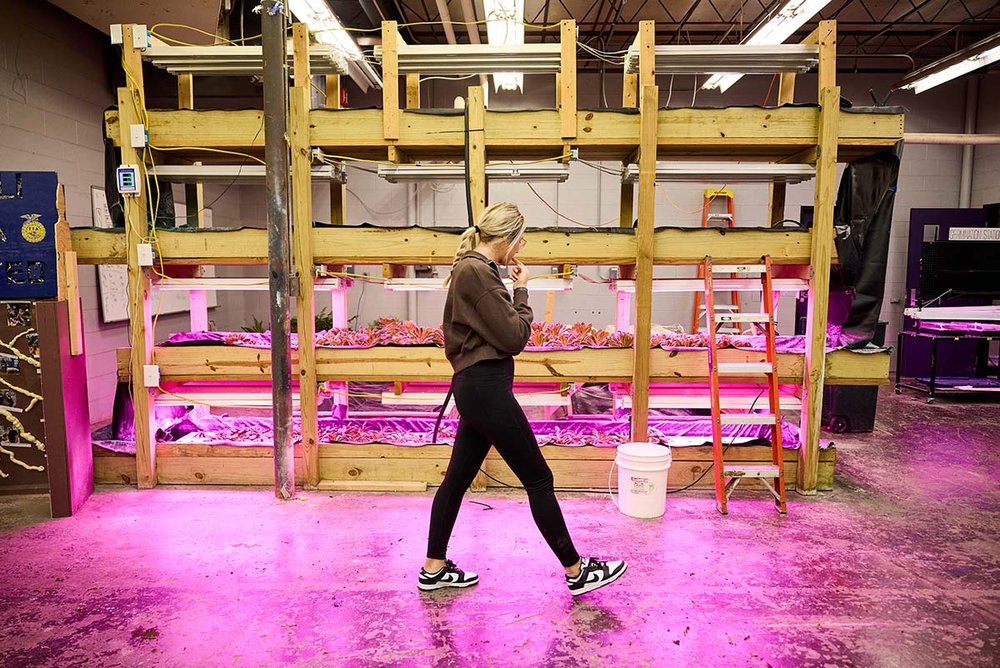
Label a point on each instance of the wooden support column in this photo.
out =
(477, 150)
(413, 91)
(390, 81)
(776, 194)
(338, 191)
(131, 110)
(566, 82)
(477, 186)
(68, 274)
(820, 256)
(626, 213)
(194, 203)
(644, 262)
(647, 54)
(302, 239)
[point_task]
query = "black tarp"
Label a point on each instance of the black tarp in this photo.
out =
(862, 219)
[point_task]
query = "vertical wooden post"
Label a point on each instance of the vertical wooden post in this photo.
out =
(390, 81)
(826, 38)
(629, 84)
(644, 261)
(567, 80)
(776, 194)
(332, 91)
(302, 239)
(819, 260)
(626, 213)
(194, 203)
(131, 110)
(413, 91)
(647, 54)
(338, 196)
(477, 150)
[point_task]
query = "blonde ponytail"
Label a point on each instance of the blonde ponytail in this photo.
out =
(502, 220)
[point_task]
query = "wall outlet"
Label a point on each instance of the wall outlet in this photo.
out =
(140, 36)
(151, 375)
(145, 253)
(138, 136)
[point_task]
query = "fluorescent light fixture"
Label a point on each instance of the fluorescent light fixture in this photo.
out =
(727, 58)
(720, 284)
(437, 284)
(437, 398)
(442, 59)
(505, 25)
(456, 172)
(234, 284)
(325, 25)
(725, 172)
(236, 60)
(976, 56)
(782, 25)
(236, 174)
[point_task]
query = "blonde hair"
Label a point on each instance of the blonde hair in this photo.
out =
(502, 220)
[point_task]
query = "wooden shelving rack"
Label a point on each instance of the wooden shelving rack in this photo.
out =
(639, 133)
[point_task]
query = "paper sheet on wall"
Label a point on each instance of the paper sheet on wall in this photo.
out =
(112, 279)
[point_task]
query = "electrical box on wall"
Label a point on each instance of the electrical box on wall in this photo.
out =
(128, 180)
(28, 220)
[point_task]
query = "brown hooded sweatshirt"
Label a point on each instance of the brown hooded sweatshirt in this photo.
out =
(481, 321)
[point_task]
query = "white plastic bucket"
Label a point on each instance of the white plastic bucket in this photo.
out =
(642, 479)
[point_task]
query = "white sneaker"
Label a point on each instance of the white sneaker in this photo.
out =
(594, 574)
(449, 576)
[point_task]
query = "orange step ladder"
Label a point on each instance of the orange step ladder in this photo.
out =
(707, 218)
(728, 476)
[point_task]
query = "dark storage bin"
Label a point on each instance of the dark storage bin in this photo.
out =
(850, 409)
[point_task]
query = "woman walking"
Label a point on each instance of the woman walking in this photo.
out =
(483, 329)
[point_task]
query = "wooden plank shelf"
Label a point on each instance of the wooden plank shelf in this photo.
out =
(408, 364)
(771, 134)
(581, 467)
(414, 245)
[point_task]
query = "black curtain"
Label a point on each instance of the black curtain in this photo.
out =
(862, 220)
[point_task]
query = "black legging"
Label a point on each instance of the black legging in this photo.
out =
(490, 415)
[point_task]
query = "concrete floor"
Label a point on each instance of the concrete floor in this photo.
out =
(899, 566)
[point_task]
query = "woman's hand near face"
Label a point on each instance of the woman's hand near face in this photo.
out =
(519, 273)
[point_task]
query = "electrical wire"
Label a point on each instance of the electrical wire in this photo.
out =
(561, 215)
(724, 451)
(229, 42)
(205, 148)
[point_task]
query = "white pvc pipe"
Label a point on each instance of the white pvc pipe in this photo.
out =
(956, 139)
(968, 150)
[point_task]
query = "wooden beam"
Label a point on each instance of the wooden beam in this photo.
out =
(302, 237)
(819, 290)
(302, 75)
(390, 81)
(358, 245)
(332, 91)
(647, 54)
(189, 363)
(477, 150)
(776, 194)
(139, 310)
(567, 78)
(630, 83)
(644, 261)
(757, 134)
(73, 304)
(413, 91)
(827, 40)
